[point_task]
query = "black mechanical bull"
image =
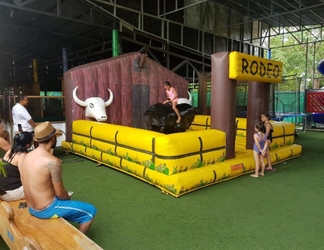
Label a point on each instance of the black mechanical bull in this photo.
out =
(163, 118)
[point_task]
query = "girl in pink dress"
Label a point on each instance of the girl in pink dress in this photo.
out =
(172, 97)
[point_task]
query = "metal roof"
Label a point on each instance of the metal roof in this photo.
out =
(41, 28)
(31, 29)
(280, 12)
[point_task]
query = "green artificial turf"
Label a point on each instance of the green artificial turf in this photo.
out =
(282, 210)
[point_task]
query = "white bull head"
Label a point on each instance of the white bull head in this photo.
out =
(185, 100)
(95, 107)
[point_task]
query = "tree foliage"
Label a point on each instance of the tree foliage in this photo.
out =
(300, 52)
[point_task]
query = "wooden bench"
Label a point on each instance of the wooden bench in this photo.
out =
(20, 230)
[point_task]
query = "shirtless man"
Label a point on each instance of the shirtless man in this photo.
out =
(41, 176)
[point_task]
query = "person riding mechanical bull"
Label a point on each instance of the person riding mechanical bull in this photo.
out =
(171, 116)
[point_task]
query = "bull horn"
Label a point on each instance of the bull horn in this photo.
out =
(190, 98)
(111, 97)
(77, 100)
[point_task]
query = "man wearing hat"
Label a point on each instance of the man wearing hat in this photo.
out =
(41, 176)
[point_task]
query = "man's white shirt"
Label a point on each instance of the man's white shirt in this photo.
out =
(21, 116)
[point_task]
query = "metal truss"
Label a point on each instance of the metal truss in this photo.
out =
(255, 22)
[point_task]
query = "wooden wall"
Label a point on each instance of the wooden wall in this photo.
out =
(135, 80)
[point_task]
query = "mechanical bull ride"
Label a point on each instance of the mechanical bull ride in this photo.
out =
(95, 107)
(185, 100)
(163, 118)
(169, 162)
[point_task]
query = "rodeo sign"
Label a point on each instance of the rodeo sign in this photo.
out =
(245, 67)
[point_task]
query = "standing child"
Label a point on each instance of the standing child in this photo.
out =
(265, 117)
(259, 148)
(172, 96)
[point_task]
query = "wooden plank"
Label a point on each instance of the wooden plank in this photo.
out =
(11, 234)
(140, 102)
(51, 233)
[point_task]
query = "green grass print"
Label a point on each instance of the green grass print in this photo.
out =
(170, 188)
(95, 147)
(161, 168)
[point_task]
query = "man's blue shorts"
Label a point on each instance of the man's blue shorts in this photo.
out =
(75, 211)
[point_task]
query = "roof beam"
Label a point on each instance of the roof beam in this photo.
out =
(277, 14)
(185, 7)
(23, 3)
(39, 12)
(301, 6)
(77, 6)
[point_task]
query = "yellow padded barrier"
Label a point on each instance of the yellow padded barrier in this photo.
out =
(176, 163)
(114, 133)
(168, 154)
(286, 153)
(283, 135)
(200, 122)
(188, 143)
(241, 127)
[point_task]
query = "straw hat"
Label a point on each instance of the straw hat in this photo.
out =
(44, 131)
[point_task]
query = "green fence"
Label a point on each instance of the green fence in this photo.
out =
(285, 103)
